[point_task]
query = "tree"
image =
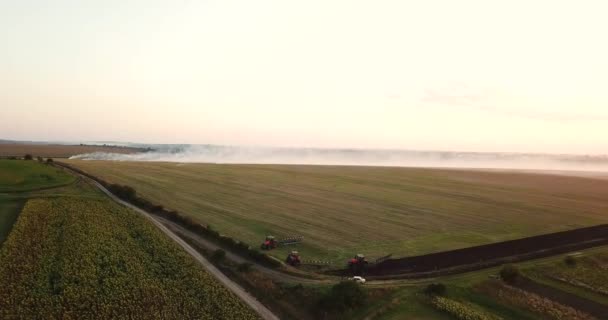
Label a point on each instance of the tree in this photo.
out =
(343, 296)
(49, 161)
(435, 289)
(123, 192)
(218, 255)
(28, 157)
(509, 273)
(570, 261)
(244, 267)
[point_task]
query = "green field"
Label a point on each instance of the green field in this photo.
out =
(17, 180)
(409, 301)
(9, 210)
(585, 275)
(343, 210)
(75, 254)
(19, 176)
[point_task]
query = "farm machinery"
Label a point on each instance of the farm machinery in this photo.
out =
(357, 264)
(293, 259)
(270, 242)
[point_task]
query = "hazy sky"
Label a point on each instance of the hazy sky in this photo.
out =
(459, 75)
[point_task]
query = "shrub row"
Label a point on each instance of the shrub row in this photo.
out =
(546, 308)
(28, 157)
(460, 310)
(129, 194)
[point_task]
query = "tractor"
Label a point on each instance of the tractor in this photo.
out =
(269, 243)
(293, 259)
(357, 264)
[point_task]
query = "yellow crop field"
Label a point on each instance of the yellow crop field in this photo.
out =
(74, 258)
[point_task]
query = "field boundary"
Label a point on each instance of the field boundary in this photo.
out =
(490, 255)
(404, 275)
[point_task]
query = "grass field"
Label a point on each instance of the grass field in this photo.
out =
(9, 210)
(73, 253)
(585, 275)
(19, 176)
(341, 211)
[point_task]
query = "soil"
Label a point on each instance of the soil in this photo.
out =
(496, 253)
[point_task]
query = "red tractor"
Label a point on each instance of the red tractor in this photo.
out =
(293, 259)
(269, 243)
(357, 264)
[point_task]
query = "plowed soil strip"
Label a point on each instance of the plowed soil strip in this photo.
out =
(496, 253)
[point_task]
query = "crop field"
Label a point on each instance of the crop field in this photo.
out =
(9, 210)
(344, 210)
(27, 175)
(483, 295)
(74, 254)
(57, 150)
(583, 275)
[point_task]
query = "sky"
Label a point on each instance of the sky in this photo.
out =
(517, 76)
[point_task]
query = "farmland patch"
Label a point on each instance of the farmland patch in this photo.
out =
(341, 211)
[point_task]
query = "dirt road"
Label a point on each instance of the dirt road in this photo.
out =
(250, 300)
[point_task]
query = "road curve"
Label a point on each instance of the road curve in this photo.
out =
(250, 300)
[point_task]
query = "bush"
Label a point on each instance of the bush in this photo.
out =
(570, 261)
(244, 267)
(49, 161)
(435, 289)
(343, 296)
(460, 310)
(123, 192)
(28, 157)
(218, 255)
(242, 247)
(509, 273)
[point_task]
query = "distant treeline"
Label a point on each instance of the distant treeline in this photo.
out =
(63, 151)
(129, 194)
(147, 149)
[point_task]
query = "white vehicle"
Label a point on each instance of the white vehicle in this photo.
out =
(358, 279)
